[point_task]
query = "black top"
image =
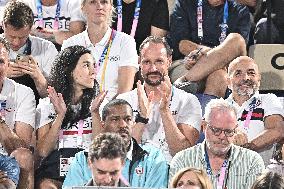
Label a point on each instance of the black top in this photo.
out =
(152, 13)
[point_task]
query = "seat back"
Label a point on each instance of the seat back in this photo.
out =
(270, 60)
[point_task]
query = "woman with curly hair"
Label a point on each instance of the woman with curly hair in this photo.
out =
(191, 178)
(63, 118)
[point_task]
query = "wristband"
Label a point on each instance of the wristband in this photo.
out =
(140, 119)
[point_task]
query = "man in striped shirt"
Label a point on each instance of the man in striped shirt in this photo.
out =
(228, 166)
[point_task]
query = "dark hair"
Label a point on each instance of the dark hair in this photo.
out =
(109, 146)
(114, 102)
(62, 80)
(5, 44)
(18, 15)
(156, 40)
(269, 180)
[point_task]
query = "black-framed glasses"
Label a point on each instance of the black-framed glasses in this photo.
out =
(218, 131)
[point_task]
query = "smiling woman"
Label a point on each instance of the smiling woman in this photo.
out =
(64, 125)
(114, 51)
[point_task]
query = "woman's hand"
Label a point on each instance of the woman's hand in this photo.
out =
(57, 101)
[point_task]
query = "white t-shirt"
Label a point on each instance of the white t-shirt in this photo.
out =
(2, 8)
(69, 11)
(263, 105)
(20, 104)
(45, 114)
(185, 108)
(43, 51)
(122, 53)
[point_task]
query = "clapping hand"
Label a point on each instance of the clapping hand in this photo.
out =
(57, 101)
(145, 103)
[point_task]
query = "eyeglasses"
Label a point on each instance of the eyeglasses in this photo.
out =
(218, 131)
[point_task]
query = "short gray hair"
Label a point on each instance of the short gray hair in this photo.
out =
(238, 60)
(220, 105)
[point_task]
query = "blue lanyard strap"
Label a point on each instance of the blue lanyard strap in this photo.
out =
(28, 48)
(199, 20)
(135, 17)
(40, 14)
(103, 55)
(224, 26)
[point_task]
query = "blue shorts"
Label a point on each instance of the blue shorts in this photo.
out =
(10, 166)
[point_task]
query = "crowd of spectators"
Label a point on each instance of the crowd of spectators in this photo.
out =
(136, 93)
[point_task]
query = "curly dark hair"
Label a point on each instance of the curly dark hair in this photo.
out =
(269, 180)
(108, 146)
(18, 15)
(62, 80)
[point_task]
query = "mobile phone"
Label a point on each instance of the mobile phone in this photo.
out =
(22, 58)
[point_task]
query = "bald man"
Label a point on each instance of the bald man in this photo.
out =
(260, 116)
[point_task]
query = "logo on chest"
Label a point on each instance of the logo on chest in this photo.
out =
(114, 58)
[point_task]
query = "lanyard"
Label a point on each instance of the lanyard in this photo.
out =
(223, 26)
(135, 17)
(40, 14)
(249, 114)
(28, 48)
(79, 135)
(199, 20)
(104, 58)
(224, 172)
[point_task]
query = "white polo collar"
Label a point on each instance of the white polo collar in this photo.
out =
(102, 42)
